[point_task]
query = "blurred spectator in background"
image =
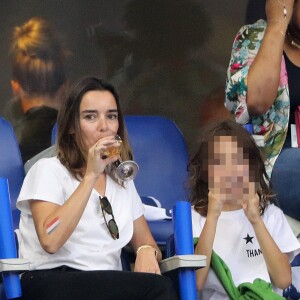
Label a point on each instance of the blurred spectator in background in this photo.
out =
(38, 84)
(212, 107)
(156, 63)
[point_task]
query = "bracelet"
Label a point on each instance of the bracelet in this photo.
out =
(147, 246)
(284, 11)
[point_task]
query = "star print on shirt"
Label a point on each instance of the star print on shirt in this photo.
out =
(248, 239)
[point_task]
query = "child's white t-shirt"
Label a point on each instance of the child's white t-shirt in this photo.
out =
(235, 242)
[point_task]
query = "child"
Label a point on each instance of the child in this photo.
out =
(234, 217)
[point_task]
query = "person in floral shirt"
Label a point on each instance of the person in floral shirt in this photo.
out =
(263, 88)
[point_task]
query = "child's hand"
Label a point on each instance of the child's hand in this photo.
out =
(251, 207)
(214, 204)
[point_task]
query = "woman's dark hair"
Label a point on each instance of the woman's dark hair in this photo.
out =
(37, 58)
(71, 152)
(198, 165)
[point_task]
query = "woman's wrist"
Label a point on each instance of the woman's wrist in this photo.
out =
(276, 28)
(88, 181)
(89, 177)
(279, 11)
(148, 247)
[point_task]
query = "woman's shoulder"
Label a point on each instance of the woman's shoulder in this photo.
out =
(48, 161)
(49, 164)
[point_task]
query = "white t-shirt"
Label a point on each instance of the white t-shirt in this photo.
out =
(90, 247)
(235, 242)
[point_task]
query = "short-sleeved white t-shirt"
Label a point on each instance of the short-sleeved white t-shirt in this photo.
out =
(90, 247)
(235, 242)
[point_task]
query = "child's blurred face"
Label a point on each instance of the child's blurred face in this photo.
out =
(228, 170)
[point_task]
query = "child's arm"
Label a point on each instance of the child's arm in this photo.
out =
(206, 238)
(277, 262)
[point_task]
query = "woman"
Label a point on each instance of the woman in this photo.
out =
(75, 215)
(38, 84)
(263, 89)
(235, 220)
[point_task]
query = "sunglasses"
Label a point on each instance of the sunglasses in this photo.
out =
(111, 224)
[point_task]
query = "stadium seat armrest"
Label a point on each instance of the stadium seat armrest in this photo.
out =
(14, 264)
(191, 261)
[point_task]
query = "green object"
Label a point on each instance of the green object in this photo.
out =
(258, 290)
(195, 240)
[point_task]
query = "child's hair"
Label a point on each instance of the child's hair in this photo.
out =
(198, 165)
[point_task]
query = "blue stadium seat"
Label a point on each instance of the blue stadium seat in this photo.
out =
(11, 165)
(160, 150)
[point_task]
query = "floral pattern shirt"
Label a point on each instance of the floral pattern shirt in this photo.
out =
(272, 126)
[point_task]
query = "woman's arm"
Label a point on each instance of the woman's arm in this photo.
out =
(54, 224)
(147, 258)
(255, 64)
(64, 218)
(264, 72)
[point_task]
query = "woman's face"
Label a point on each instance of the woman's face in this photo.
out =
(98, 113)
(228, 170)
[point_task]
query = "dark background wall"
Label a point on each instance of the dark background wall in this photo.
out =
(166, 57)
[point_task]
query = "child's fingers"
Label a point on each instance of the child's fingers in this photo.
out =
(244, 204)
(214, 204)
(213, 195)
(252, 190)
(214, 192)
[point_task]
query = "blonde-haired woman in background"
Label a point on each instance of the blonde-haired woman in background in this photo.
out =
(38, 82)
